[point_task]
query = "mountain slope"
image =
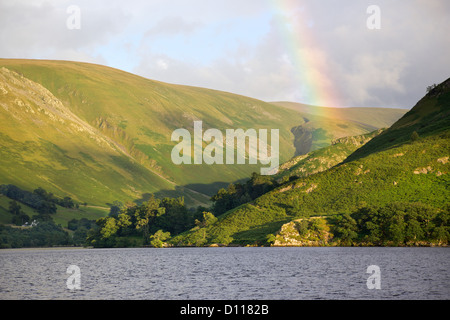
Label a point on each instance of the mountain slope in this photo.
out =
(414, 171)
(324, 158)
(428, 117)
(376, 117)
(45, 144)
(101, 134)
(322, 125)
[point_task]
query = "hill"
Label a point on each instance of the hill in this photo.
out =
(323, 124)
(392, 169)
(98, 134)
(324, 158)
(375, 117)
(429, 117)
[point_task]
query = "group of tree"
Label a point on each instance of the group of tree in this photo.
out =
(80, 229)
(149, 223)
(240, 193)
(395, 224)
(157, 220)
(66, 202)
(44, 234)
(18, 216)
(40, 200)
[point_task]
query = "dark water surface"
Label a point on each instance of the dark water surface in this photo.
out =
(226, 273)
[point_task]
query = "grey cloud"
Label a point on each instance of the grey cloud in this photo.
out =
(390, 67)
(173, 25)
(261, 72)
(40, 30)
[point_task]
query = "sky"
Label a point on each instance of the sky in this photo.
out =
(335, 53)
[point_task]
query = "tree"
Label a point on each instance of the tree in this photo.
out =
(302, 227)
(46, 208)
(208, 219)
(414, 230)
(67, 202)
(441, 234)
(146, 214)
(259, 185)
(429, 88)
(414, 136)
(123, 220)
(109, 227)
(79, 236)
(15, 208)
(19, 217)
(157, 240)
(177, 218)
(41, 193)
(346, 229)
(238, 194)
(115, 208)
(223, 200)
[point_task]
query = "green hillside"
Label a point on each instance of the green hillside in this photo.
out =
(323, 125)
(45, 144)
(324, 158)
(99, 134)
(62, 217)
(375, 117)
(429, 117)
(393, 167)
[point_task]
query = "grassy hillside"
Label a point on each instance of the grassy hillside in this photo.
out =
(430, 116)
(324, 158)
(382, 172)
(374, 180)
(323, 125)
(45, 144)
(99, 134)
(62, 217)
(5, 216)
(375, 117)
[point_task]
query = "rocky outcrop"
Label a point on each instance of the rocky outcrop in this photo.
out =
(306, 232)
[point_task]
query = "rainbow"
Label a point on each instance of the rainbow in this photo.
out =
(311, 66)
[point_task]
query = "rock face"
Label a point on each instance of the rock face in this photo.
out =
(30, 102)
(308, 232)
(357, 140)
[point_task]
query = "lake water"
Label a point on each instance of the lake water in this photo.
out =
(226, 273)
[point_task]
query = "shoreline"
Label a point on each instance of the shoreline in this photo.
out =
(212, 247)
(46, 248)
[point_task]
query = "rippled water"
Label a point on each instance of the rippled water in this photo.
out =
(226, 273)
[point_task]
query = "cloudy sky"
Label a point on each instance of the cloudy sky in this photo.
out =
(323, 52)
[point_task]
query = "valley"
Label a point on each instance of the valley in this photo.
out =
(103, 138)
